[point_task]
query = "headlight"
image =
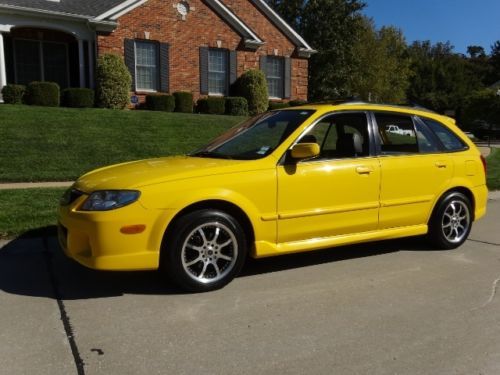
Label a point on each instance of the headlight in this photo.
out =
(109, 199)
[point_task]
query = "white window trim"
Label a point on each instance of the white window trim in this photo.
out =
(137, 89)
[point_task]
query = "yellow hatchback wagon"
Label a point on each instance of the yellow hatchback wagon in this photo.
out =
(286, 181)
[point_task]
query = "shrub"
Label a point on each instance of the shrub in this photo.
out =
(252, 85)
(160, 102)
(211, 105)
(183, 102)
(236, 106)
(113, 82)
(42, 93)
(13, 94)
(77, 98)
(278, 105)
(296, 103)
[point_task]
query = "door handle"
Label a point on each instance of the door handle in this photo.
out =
(440, 164)
(364, 170)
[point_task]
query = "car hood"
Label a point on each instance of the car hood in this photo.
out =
(133, 175)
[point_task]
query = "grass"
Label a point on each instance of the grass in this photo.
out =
(22, 211)
(493, 162)
(46, 144)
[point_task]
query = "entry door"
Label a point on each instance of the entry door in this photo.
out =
(414, 170)
(336, 193)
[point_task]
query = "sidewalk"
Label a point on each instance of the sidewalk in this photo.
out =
(32, 185)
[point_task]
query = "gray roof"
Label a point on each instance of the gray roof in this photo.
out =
(89, 8)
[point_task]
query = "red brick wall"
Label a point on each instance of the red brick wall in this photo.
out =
(202, 27)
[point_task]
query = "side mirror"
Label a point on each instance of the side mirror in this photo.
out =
(305, 150)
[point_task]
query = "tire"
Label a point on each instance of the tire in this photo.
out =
(451, 221)
(204, 250)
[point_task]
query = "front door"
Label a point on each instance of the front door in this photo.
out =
(336, 193)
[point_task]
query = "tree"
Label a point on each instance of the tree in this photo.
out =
(494, 62)
(383, 67)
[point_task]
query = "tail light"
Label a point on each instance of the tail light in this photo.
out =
(483, 160)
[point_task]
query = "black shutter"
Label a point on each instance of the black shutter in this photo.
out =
(233, 68)
(164, 67)
(287, 84)
(130, 59)
(203, 70)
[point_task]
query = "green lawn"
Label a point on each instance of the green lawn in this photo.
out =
(28, 211)
(493, 163)
(44, 144)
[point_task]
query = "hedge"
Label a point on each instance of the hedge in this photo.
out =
(13, 94)
(236, 106)
(252, 85)
(77, 97)
(211, 105)
(183, 102)
(160, 102)
(278, 105)
(113, 82)
(45, 94)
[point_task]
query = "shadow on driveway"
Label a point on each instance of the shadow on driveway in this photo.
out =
(34, 265)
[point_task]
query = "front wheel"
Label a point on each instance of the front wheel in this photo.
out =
(451, 221)
(205, 250)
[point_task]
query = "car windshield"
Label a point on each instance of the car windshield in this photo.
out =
(255, 138)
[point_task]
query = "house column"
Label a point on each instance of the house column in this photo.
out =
(3, 72)
(81, 63)
(91, 63)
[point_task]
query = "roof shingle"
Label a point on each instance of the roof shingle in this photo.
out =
(89, 8)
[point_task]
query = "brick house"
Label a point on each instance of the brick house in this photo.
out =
(200, 46)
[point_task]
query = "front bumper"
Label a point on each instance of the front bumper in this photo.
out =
(94, 239)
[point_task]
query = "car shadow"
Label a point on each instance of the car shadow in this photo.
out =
(34, 265)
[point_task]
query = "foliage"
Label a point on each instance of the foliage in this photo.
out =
(183, 102)
(44, 94)
(252, 85)
(13, 94)
(58, 144)
(211, 105)
(494, 62)
(382, 65)
(278, 105)
(296, 103)
(77, 98)
(493, 163)
(236, 106)
(160, 102)
(113, 82)
(482, 106)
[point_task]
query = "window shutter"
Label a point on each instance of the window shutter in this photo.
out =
(130, 59)
(203, 70)
(164, 67)
(287, 84)
(263, 64)
(233, 68)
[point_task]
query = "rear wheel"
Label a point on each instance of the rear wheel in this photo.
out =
(205, 250)
(451, 221)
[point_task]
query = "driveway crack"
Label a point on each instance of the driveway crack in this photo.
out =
(494, 288)
(68, 329)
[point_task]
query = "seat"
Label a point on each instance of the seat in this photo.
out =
(349, 145)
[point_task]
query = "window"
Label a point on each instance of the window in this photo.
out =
(340, 136)
(397, 134)
(449, 140)
(217, 72)
(146, 66)
(274, 70)
(427, 141)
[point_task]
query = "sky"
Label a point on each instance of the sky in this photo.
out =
(462, 22)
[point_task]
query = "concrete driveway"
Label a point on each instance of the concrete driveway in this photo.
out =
(394, 307)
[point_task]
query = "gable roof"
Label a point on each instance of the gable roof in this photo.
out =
(88, 8)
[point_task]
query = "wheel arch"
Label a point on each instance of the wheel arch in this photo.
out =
(459, 189)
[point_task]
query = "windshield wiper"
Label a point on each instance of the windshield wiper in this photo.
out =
(210, 154)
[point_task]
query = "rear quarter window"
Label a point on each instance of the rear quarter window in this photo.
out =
(450, 140)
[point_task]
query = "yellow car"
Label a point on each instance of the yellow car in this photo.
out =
(286, 181)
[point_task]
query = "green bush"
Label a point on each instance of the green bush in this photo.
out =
(45, 94)
(113, 82)
(160, 102)
(77, 97)
(481, 106)
(211, 105)
(13, 94)
(183, 102)
(252, 85)
(297, 102)
(236, 106)
(278, 105)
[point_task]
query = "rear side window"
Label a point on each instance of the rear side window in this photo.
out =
(450, 141)
(397, 134)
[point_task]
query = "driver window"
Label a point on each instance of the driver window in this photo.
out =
(340, 136)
